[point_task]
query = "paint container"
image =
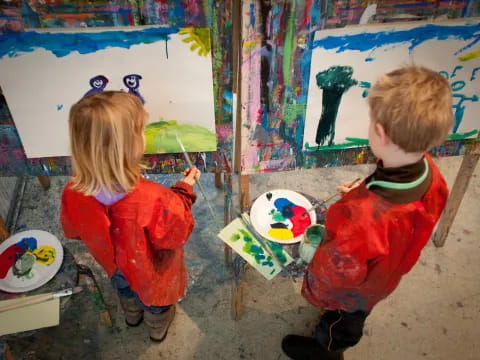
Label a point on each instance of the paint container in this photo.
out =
(311, 239)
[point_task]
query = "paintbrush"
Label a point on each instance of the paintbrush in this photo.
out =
(259, 238)
(190, 164)
(330, 197)
(32, 300)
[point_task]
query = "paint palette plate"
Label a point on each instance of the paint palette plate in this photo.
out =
(279, 216)
(28, 260)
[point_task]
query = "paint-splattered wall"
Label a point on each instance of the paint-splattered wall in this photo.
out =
(17, 15)
(275, 72)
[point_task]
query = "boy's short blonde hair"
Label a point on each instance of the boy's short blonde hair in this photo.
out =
(414, 106)
(107, 142)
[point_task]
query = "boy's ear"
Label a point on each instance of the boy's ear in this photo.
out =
(382, 135)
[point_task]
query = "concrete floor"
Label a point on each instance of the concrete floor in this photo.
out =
(434, 314)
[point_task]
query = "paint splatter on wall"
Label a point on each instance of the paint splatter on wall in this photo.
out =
(277, 38)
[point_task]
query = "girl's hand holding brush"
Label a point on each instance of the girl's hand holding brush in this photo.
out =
(192, 175)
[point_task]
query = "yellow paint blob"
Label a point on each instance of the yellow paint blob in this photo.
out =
(281, 234)
(45, 254)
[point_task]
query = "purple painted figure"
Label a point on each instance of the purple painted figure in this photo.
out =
(132, 82)
(98, 84)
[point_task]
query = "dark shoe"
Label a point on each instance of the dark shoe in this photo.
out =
(133, 311)
(159, 323)
(306, 348)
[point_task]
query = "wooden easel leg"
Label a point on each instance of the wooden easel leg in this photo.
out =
(458, 191)
(237, 307)
(4, 234)
(244, 191)
(45, 181)
(218, 180)
(237, 300)
(228, 214)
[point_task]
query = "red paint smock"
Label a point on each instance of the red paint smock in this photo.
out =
(370, 243)
(142, 235)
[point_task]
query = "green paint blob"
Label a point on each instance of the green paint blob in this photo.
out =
(277, 216)
(334, 81)
(23, 266)
(255, 250)
(235, 237)
(160, 138)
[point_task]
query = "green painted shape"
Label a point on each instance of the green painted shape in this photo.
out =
(98, 300)
(462, 136)
(351, 142)
(160, 138)
(235, 237)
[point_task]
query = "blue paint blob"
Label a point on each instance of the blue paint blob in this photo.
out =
(369, 41)
(59, 107)
(29, 244)
(62, 44)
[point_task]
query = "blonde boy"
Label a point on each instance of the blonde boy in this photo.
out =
(375, 233)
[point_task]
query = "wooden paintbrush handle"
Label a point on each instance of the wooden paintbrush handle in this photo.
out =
(28, 300)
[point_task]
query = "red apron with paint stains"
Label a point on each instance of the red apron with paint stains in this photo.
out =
(370, 244)
(142, 234)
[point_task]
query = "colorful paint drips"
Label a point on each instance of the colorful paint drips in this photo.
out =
(21, 257)
(290, 220)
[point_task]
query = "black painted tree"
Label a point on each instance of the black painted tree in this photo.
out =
(334, 82)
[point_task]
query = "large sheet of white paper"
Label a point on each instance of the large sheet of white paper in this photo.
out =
(43, 73)
(349, 60)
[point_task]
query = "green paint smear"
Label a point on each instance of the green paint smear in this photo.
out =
(235, 237)
(334, 82)
(359, 142)
(98, 300)
(278, 251)
(462, 136)
(289, 46)
(292, 111)
(254, 250)
(160, 138)
(351, 142)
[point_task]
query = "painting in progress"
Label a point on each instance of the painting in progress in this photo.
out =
(244, 244)
(346, 63)
(169, 69)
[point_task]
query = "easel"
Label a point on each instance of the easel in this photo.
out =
(462, 180)
(471, 158)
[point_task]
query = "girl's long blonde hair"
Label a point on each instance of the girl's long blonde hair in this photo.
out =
(107, 142)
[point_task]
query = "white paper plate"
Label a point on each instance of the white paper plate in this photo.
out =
(265, 216)
(40, 273)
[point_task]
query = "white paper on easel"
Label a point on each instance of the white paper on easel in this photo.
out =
(29, 317)
(43, 80)
(346, 63)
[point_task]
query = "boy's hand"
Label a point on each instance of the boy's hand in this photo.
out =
(345, 188)
(192, 175)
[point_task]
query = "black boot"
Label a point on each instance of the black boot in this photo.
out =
(307, 348)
